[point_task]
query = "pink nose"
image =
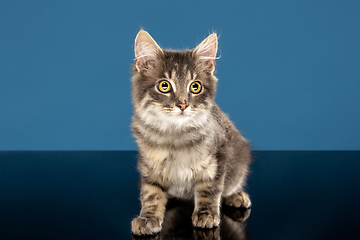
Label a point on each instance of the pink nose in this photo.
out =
(182, 106)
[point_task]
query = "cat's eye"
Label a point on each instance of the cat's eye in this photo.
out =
(164, 86)
(195, 87)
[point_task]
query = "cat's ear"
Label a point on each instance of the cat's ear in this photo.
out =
(205, 53)
(146, 51)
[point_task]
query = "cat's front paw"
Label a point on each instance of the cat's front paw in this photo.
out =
(145, 226)
(205, 219)
(240, 199)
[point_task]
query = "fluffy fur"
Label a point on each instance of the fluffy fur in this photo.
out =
(194, 152)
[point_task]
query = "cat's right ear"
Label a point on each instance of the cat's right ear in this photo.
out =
(205, 53)
(147, 51)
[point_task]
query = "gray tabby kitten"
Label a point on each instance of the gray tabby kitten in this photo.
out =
(188, 147)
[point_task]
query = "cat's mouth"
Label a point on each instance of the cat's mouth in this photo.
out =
(186, 113)
(177, 113)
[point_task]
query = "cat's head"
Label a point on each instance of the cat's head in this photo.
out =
(173, 86)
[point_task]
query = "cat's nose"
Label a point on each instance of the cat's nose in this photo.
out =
(183, 106)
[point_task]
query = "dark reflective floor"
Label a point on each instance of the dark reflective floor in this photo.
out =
(94, 195)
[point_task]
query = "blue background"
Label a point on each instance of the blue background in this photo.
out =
(289, 70)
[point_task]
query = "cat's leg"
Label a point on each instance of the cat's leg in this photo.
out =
(238, 199)
(153, 203)
(207, 204)
(234, 194)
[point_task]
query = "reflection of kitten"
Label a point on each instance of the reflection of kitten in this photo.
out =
(188, 147)
(177, 225)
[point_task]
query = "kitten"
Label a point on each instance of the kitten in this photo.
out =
(188, 147)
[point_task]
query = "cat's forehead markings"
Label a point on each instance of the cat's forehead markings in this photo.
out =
(188, 74)
(194, 75)
(170, 75)
(173, 74)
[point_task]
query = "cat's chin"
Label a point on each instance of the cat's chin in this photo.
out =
(183, 115)
(180, 117)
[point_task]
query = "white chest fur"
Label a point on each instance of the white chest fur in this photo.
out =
(179, 170)
(179, 166)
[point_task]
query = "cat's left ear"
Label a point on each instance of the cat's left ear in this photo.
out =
(205, 53)
(147, 51)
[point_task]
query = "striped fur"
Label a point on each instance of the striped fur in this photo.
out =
(193, 153)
